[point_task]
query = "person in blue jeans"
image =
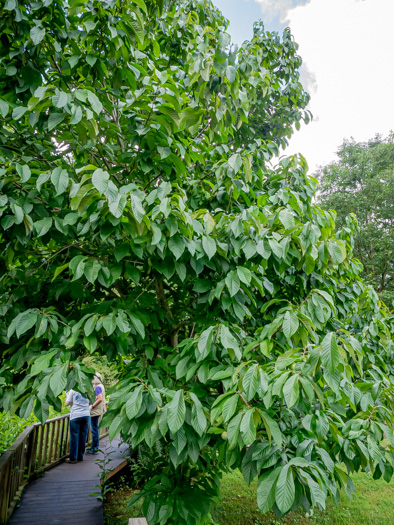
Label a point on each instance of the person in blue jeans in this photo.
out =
(97, 410)
(79, 424)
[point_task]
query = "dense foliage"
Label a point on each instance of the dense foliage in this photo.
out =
(142, 219)
(10, 427)
(361, 181)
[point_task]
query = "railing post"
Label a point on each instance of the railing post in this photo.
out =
(32, 452)
(5, 476)
(44, 439)
(55, 452)
(51, 435)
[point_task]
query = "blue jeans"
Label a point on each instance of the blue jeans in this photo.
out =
(79, 428)
(94, 426)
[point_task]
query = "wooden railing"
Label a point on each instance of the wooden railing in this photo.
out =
(38, 448)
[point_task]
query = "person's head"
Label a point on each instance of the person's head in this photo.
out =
(97, 379)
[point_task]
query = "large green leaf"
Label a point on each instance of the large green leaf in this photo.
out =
(138, 325)
(235, 162)
(337, 252)
(42, 362)
(205, 341)
(54, 120)
(24, 171)
(91, 270)
(233, 429)
(273, 429)
(244, 274)
(60, 180)
(290, 324)
(266, 489)
(134, 402)
(4, 108)
(100, 180)
(232, 282)
(249, 381)
(176, 412)
(229, 341)
(94, 102)
(209, 246)
(287, 219)
(291, 390)
(58, 380)
(285, 489)
(23, 322)
(43, 226)
(109, 324)
(330, 352)
(136, 206)
(117, 206)
(37, 34)
(229, 407)
(139, 32)
(115, 426)
(177, 246)
(248, 428)
(199, 421)
(59, 100)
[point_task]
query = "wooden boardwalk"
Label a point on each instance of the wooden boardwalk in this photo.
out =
(61, 495)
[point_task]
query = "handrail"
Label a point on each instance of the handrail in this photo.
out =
(38, 448)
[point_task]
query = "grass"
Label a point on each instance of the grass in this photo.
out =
(373, 504)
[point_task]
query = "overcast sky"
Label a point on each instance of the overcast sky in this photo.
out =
(347, 48)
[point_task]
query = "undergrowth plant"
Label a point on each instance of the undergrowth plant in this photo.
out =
(146, 462)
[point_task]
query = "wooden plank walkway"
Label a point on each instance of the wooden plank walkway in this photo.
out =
(61, 495)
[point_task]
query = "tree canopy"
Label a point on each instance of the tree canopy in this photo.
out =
(361, 181)
(145, 217)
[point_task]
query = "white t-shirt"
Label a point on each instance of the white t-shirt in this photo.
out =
(79, 404)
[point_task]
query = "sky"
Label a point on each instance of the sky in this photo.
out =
(347, 47)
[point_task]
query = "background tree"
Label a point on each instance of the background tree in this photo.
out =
(143, 221)
(361, 181)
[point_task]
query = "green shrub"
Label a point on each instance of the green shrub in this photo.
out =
(146, 462)
(10, 428)
(12, 425)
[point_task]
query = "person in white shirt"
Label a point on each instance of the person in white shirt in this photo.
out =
(79, 424)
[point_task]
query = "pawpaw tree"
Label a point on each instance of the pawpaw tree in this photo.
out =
(146, 216)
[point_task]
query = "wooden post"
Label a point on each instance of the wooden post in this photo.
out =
(62, 436)
(5, 475)
(51, 436)
(44, 439)
(138, 521)
(56, 449)
(67, 440)
(32, 451)
(40, 435)
(22, 462)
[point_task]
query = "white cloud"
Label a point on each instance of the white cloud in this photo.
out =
(278, 8)
(348, 48)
